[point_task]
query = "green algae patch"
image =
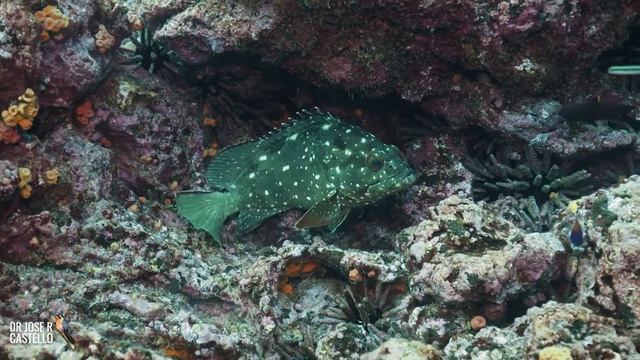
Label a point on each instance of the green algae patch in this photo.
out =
(600, 213)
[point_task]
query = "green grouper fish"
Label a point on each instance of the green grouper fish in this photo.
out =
(318, 163)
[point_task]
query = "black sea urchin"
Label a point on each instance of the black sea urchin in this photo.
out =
(151, 55)
(530, 191)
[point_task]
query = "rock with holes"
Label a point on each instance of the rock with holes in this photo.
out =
(61, 66)
(402, 349)
(466, 254)
(345, 341)
(541, 126)
(465, 62)
(607, 273)
(572, 331)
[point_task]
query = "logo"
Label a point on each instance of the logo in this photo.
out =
(30, 332)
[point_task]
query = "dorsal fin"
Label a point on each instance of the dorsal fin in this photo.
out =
(235, 160)
(229, 164)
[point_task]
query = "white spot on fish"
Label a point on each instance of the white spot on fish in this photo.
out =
(326, 143)
(285, 168)
(262, 158)
(266, 192)
(317, 177)
(293, 137)
(326, 126)
(252, 175)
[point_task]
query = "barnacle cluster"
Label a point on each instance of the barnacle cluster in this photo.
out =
(142, 50)
(52, 20)
(529, 191)
(20, 114)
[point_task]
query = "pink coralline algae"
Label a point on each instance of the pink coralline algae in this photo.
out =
(22, 235)
(504, 50)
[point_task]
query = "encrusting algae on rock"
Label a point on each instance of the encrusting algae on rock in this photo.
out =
(319, 164)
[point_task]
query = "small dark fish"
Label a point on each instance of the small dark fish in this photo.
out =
(319, 164)
(62, 327)
(576, 235)
(597, 109)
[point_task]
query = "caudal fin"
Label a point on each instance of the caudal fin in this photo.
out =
(206, 210)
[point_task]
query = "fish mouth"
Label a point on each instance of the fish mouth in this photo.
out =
(393, 183)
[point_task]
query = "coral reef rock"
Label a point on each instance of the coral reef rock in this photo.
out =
(402, 349)
(551, 329)
(486, 52)
(607, 276)
(468, 254)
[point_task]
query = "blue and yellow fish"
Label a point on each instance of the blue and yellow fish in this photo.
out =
(576, 235)
(318, 163)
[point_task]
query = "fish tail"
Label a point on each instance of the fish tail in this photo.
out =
(207, 210)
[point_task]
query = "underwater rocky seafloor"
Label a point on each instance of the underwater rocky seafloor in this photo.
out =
(520, 239)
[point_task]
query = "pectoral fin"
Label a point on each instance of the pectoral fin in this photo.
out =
(324, 213)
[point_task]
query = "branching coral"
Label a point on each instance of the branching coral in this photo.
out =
(531, 190)
(52, 20)
(20, 114)
(104, 40)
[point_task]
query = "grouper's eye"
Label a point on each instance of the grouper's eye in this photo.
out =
(374, 162)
